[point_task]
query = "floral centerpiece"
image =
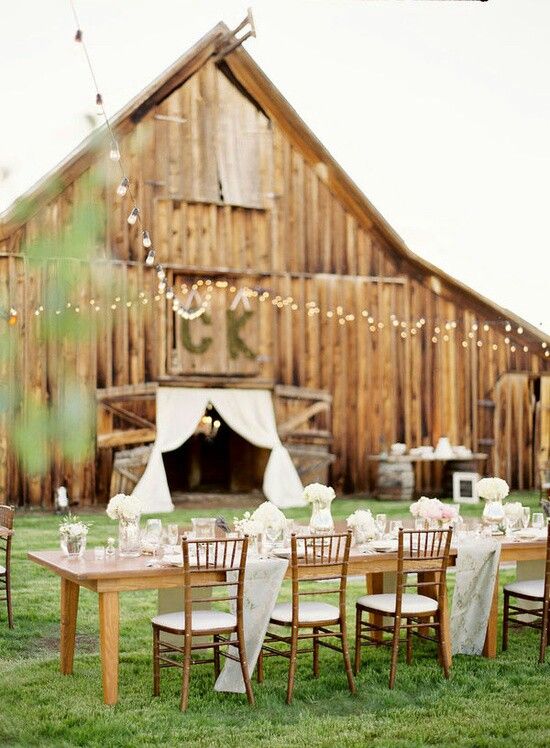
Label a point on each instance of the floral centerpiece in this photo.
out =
(320, 497)
(247, 526)
(269, 516)
(73, 534)
(434, 512)
(363, 525)
(494, 491)
(127, 510)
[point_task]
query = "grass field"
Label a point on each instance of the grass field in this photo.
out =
(503, 702)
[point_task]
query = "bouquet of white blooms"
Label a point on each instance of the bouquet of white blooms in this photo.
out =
(125, 508)
(493, 489)
(247, 526)
(268, 515)
(71, 528)
(362, 523)
(433, 509)
(317, 493)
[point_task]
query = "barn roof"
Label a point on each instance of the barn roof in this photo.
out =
(250, 77)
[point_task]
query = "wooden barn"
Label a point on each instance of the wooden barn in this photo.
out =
(305, 291)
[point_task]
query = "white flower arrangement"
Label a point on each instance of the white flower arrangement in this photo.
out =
(123, 507)
(71, 528)
(433, 509)
(317, 492)
(363, 521)
(493, 489)
(513, 510)
(247, 526)
(268, 515)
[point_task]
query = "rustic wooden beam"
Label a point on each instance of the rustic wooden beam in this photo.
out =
(127, 415)
(121, 438)
(302, 393)
(296, 420)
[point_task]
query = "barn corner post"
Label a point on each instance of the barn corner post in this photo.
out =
(285, 277)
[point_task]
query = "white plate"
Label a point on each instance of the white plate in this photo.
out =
(386, 546)
(528, 534)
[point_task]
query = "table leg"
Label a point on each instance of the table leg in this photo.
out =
(375, 586)
(69, 610)
(108, 644)
(490, 646)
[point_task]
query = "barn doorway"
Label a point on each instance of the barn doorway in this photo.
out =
(215, 460)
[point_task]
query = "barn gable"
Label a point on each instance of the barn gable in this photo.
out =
(237, 192)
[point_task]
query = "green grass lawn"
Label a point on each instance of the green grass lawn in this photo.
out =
(503, 702)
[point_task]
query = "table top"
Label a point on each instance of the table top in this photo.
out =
(89, 570)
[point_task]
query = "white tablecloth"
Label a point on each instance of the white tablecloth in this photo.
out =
(476, 572)
(262, 582)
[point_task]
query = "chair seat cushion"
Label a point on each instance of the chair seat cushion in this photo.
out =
(411, 604)
(530, 587)
(2, 569)
(308, 612)
(202, 620)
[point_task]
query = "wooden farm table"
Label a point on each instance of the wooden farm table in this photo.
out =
(109, 578)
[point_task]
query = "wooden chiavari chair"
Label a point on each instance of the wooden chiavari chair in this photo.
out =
(325, 558)
(422, 552)
(6, 521)
(208, 558)
(532, 590)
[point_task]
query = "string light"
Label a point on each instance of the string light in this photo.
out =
(132, 218)
(114, 153)
(99, 104)
(122, 188)
(78, 35)
(150, 259)
(146, 240)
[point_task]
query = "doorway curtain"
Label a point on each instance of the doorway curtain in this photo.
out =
(248, 412)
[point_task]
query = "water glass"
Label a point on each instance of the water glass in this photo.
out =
(538, 520)
(418, 523)
(381, 521)
(99, 553)
(395, 526)
(525, 516)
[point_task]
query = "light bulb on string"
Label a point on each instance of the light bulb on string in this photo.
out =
(146, 240)
(160, 272)
(78, 35)
(99, 104)
(114, 153)
(122, 188)
(508, 327)
(132, 218)
(150, 259)
(169, 294)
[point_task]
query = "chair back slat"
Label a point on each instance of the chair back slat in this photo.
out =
(423, 552)
(217, 556)
(6, 516)
(325, 557)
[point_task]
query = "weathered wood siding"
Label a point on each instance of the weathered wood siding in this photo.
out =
(226, 193)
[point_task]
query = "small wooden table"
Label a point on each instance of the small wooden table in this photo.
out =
(109, 578)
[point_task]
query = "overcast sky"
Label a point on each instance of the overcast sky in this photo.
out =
(439, 110)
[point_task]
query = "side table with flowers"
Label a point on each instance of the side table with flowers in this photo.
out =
(73, 534)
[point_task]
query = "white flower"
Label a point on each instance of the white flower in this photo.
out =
(72, 528)
(268, 515)
(362, 520)
(319, 492)
(124, 507)
(247, 525)
(493, 489)
(513, 509)
(433, 509)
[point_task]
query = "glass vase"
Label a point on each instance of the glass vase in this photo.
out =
(73, 547)
(129, 539)
(493, 513)
(321, 518)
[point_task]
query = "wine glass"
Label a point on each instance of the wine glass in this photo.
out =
(395, 526)
(172, 532)
(272, 534)
(381, 521)
(525, 516)
(538, 520)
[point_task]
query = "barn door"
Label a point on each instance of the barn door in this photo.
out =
(513, 430)
(303, 423)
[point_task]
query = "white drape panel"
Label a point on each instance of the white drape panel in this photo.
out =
(248, 412)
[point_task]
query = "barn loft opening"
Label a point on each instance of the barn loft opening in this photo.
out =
(215, 460)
